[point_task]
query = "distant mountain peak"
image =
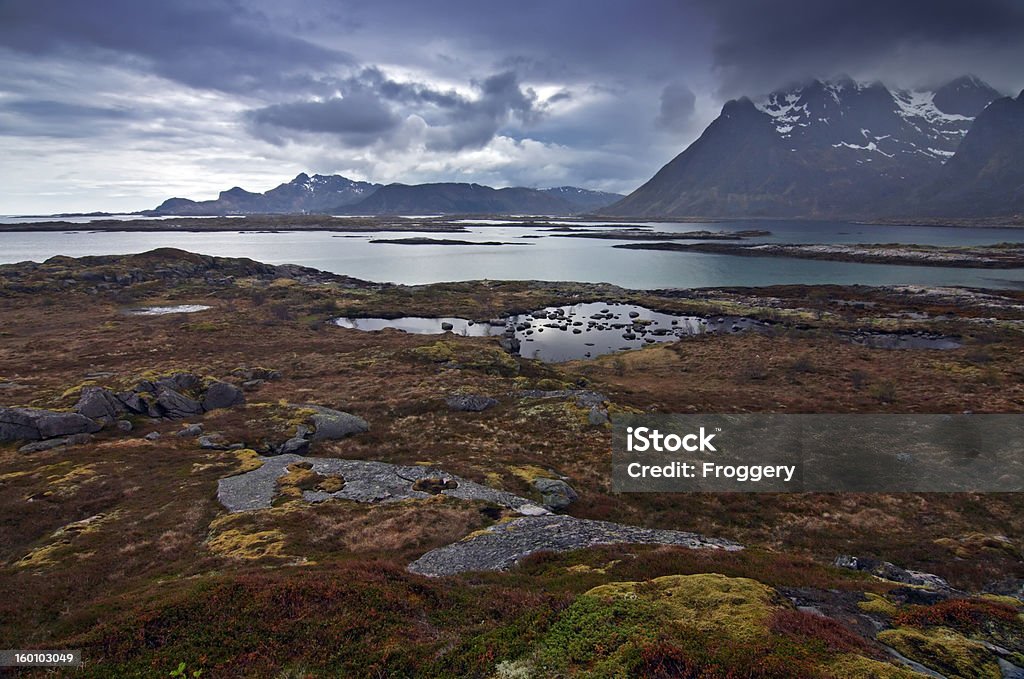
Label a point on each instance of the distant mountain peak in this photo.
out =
(303, 194)
(820, 148)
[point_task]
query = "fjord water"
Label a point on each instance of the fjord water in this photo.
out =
(550, 257)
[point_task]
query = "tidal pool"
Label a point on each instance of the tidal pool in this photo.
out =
(567, 333)
(581, 331)
(164, 310)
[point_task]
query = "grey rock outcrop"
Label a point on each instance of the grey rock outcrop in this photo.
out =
(470, 403)
(222, 395)
(295, 446)
(99, 403)
(504, 544)
(331, 425)
(555, 493)
(214, 441)
(890, 571)
(175, 405)
(50, 444)
(32, 424)
(191, 431)
(177, 396)
(365, 481)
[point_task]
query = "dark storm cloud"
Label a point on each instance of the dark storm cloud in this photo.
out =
(677, 106)
(49, 118)
(214, 44)
(359, 118)
(765, 43)
(370, 105)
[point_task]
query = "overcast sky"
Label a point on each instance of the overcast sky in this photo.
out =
(118, 104)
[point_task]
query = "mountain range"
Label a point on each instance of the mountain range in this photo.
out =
(843, 149)
(334, 194)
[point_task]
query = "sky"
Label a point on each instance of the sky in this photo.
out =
(116, 105)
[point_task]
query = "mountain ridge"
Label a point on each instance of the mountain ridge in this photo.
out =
(825, 149)
(334, 194)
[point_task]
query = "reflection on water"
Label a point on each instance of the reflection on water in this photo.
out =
(164, 310)
(551, 258)
(580, 331)
(569, 332)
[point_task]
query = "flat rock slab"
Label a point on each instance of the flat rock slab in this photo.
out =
(501, 546)
(364, 482)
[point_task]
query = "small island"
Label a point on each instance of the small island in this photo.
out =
(999, 256)
(421, 240)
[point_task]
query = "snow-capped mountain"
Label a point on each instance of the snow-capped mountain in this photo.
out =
(304, 194)
(823, 149)
(334, 194)
(460, 198)
(584, 199)
(986, 176)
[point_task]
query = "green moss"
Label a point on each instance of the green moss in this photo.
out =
(849, 666)
(437, 352)
(943, 650)
(487, 358)
(878, 605)
(236, 544)
(708, 602)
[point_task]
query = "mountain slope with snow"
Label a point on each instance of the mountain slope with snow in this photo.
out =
(304, 194)
(823, 149)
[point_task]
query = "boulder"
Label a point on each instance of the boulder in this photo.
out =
(50, 444)
(97, 402)
(191, 431)
(181, 382)
(213, 441)
(124, 425)
(890, 571)
(295, 446)
(133, 402)
(17, 425)
(32, 424)
(176, 406)
(152, 436)
(470, 403)
(331, 425)
(597, 416)
(555, 493)
(222, 395)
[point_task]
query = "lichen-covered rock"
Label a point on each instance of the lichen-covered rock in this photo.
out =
(365, 481)
(503, 545)
(222, 395)
(32, 424)
(555, 493)
(889, 571)
(331, 425)
(470, 403)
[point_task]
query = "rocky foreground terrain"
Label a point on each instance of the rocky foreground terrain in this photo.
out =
(253, 491)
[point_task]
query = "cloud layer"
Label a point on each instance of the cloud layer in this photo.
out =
(115, 104)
